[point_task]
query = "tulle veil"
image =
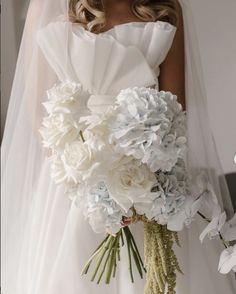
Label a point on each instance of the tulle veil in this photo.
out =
(22, 153)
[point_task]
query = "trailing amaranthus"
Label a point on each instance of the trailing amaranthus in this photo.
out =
(160, 260)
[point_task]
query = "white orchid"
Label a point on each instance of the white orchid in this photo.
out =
(229, 229)
(214, 227)
(227, 260)
(211, 209)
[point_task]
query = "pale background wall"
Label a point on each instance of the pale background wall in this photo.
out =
(12, 21)
(216, 28)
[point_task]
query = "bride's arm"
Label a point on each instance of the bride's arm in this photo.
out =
(172, 72)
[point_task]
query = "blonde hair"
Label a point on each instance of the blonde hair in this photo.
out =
(90, 13)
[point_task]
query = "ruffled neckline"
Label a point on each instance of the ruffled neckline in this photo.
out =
(136, 24)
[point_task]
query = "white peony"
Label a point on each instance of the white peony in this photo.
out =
(227, 260)
(59, 130)
(149, 125)
(67, 97)
(129, 181)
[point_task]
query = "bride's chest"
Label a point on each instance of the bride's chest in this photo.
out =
(120, 55)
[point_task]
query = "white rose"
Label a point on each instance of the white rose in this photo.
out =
(67, 97)
(79, 161)
(57, 130)
(129, 181)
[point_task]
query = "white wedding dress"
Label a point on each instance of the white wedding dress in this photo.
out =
(58, 240)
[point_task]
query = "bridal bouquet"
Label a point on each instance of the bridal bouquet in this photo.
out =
(127, 164)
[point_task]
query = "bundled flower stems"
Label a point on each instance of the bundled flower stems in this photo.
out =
(127, 160)
(160, 261)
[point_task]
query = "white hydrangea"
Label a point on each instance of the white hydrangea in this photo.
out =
(101, 210)
(149, 125)
(168, 195)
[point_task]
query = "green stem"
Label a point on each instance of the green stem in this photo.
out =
(129, 254)
(101, 255)
(122, 237)
(107, 259)
(97, 250)
(136, 259)
(136, 248)
(81, 135)
(111, 253)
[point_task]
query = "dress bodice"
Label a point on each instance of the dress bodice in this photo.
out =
(127, 55)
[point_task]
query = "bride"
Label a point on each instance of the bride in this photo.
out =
(106, 46)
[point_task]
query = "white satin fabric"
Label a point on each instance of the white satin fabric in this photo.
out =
(57, 239)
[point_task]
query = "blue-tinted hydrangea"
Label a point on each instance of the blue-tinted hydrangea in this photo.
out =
(168, 195)
(102, 211)
(149, 125)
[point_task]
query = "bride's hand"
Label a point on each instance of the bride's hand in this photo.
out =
(126, 221)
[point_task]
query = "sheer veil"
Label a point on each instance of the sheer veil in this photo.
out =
(22, 153)
(202, 154)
